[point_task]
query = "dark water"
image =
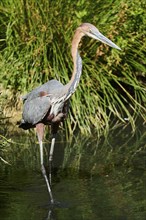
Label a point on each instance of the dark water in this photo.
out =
(92, 179)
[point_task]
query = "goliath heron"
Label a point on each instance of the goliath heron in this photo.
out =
(48, 103)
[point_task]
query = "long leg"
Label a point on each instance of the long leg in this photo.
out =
(51, 157)
(40, 133)
(54, 129)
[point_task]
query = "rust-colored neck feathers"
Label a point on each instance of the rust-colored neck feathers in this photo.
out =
(77, 64)
(74, 50)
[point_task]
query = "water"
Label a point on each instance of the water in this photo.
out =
(92, 180)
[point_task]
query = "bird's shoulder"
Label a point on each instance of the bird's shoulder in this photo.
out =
(51, 87)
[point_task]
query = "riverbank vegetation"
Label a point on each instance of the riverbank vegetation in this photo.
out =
(35, 41)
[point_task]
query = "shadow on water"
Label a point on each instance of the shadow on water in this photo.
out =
(92, 178)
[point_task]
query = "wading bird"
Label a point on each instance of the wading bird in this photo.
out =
(48, 103)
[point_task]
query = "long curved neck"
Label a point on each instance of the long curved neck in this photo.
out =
(74, 52)
(77, 64)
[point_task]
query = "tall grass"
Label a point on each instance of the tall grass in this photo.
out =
(35, 41)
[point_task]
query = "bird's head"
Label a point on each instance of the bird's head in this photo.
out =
(91, 31)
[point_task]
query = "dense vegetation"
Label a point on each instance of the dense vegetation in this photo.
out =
(35, 40)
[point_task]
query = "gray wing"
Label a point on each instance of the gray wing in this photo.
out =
(35, 109)
(50, 87)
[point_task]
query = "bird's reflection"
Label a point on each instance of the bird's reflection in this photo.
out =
(52, 208)
(51, 215)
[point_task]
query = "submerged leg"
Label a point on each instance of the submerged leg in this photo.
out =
(40, 133)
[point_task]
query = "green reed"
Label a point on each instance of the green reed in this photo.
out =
(35, 41)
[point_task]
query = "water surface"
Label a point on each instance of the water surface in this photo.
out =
(92, 180)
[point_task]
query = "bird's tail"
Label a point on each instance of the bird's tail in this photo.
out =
(25, 125)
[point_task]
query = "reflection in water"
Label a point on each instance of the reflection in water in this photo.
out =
(92, 179)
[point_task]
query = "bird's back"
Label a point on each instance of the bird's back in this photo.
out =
(50, 87)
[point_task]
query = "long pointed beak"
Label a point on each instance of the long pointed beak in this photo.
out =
(103, 39)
